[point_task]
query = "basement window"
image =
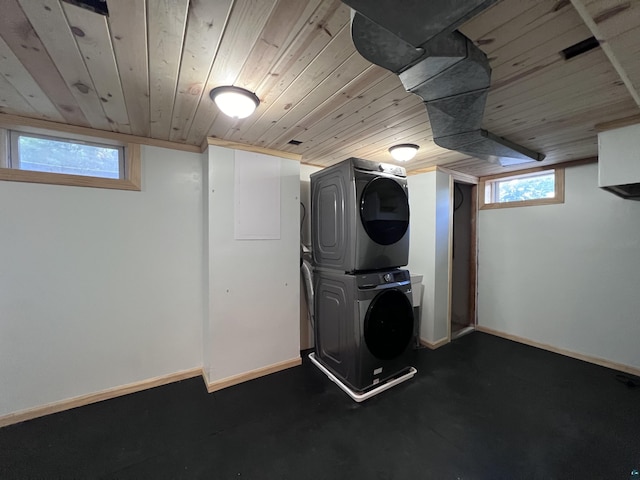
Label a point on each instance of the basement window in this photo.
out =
(38, 156)
(531, 187)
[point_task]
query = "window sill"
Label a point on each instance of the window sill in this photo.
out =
(524, 203)
(557, 199)
(131, 182)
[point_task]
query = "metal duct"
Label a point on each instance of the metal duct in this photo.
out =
(418, 41)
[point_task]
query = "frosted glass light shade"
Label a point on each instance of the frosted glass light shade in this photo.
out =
(403, 152)
(235, 102)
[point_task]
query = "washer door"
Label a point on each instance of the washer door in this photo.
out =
(384, 210)
(388, 324)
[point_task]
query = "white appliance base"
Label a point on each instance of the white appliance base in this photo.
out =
(361, 397)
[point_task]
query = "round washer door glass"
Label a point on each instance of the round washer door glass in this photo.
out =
(384, 210)
(388, 324)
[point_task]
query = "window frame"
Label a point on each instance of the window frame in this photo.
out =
(491, 180)
(130, 162)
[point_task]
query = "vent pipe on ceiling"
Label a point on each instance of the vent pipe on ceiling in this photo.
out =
(419, 42)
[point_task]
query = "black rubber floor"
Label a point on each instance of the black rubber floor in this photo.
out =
(479, 408)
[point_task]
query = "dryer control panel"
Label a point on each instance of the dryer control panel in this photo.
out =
(368, 165)
(375, 279)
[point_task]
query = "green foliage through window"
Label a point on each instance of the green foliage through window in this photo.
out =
(44, 154)
(525, 188)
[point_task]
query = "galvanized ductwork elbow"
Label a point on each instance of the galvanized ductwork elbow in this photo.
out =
(418, 41)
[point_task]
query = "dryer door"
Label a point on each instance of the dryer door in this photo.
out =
(384, 210)
(388, 324)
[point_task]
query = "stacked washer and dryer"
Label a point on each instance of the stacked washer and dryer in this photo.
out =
(364, 321)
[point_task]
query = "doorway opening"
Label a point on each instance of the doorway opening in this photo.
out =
(463, 277)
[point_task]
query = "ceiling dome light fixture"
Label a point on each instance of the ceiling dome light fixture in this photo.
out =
(235, 102)
(404, 151)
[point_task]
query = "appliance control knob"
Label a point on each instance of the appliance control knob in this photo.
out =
(387, 277)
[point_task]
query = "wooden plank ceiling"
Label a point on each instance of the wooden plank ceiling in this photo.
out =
(148, 67)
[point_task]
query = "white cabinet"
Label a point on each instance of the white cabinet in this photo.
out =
(619, 156)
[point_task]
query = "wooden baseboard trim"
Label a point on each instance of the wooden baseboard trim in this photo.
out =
(107, 394)
(568, 353)
(434, 345)
(250, 375)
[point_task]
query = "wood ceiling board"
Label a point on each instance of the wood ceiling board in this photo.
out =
(577, 124)
(388, 106)
(14, 73)
(12, 102)
(540, 120)
(205, 24)
(628, 45)
(273, 49)
(50, 24)
(615, 17)
(613, 52)
(548, 79)
(17, 32)
(94, 41)
(542, 55)
(603, 126)
(166, 23)
(575, 150)
(596, 82)
(129, 40)
(244, 26)
(517, 29)
(289, 22)
(553, 36)
(626, 49)
(379, 151)
(319, 81)
(370, 76)
(326, 89)
(296, 60)
(223, 126)
(330, 17)
(353, 138)
(374, 104)
(497, 15)
(550, 139)
(353, 105)
(376, 138)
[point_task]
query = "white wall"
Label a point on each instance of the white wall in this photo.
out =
(565, 275)
(429, 254)
(100, 288)
(253, 285)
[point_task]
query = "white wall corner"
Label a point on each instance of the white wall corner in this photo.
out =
(253, 315)
(429, 255)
